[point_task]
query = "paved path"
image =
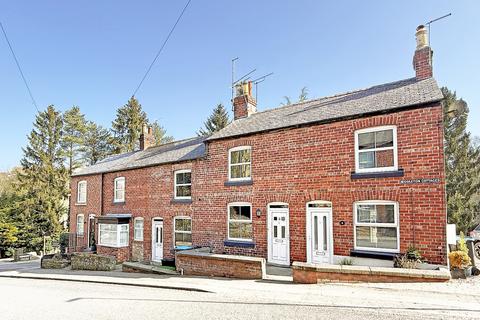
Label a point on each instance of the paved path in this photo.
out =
(225, 298)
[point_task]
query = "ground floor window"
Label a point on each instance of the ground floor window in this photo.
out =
(376, 226)
(138, 229)
(240, 221)
(183, 231)
(113, 235)
(80, 225)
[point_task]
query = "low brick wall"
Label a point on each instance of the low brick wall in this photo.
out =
(120, 254)
(310, 273)
(199, 263)
(93, 262)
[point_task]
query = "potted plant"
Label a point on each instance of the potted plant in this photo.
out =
(460, 261)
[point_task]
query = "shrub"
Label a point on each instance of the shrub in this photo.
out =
(462, 244)
(402, 261)
(413, 253)
(346, 262)
(459, 259)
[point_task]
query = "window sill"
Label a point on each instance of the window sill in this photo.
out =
(118, 202)
(373, 254)
(81, 204)
(111, 246)
(380, 174)
(239, 244)
(185, 201)
(239, 183)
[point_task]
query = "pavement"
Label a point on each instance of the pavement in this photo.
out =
(199, 297)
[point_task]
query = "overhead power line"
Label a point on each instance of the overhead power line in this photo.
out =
(162, 47)
(19, 68)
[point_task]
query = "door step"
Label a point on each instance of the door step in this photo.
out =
(147, 268)
(279, 273)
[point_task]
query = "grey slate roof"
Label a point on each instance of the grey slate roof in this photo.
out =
(385, 97)
(177, 151)
(381, 98)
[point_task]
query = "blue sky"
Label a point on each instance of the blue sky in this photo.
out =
(94, 53)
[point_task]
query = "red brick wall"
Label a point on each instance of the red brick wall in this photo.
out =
(223, 266)
(295, 166)
(422, 63)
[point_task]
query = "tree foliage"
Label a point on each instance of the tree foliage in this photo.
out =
(462, 165)
(42, 181)
(218, 120)
(74, 130)
(97, 143)
(127, 126)
(160, 134)
(302, 97)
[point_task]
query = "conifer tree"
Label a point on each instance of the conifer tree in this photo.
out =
(74, 129)
(462, 159)
(160, 134)
(216, 121)
(42, 182)
(97, 143)
(128, 125)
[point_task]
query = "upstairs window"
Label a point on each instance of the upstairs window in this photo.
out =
(239, 163)
(183, 184)
(376, 226)
(376, 149)
(80, 225)
(119, 190)
(183, 231)
(240, 221)
(82, 192)
(138, 229)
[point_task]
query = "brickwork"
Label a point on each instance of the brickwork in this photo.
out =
(220, 266)
(293, 166)
(422, 63)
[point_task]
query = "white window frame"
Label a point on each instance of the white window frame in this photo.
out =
(175, 185)
(394, 147)
(238, 164)
(395, 224)
(138, 232)
(237, 204)
(115, 189)
(81, 234)
(181, 231)
(118, 232)
(80, 201)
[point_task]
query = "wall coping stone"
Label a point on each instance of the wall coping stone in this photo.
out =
(442, 273)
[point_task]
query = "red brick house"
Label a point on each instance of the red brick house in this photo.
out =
(356, 174)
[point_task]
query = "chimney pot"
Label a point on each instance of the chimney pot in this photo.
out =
(422, 60)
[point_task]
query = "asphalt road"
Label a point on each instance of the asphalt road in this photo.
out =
(46, 299)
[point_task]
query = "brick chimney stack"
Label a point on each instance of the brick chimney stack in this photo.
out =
(244, 104)
(422, 60)
(147, 139)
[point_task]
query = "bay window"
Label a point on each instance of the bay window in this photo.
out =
(376, 226)
(113, 235)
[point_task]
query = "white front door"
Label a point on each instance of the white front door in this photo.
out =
(278, 235)
(157, 240)
(319, 235)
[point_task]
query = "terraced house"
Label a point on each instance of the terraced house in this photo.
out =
(356, 174)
